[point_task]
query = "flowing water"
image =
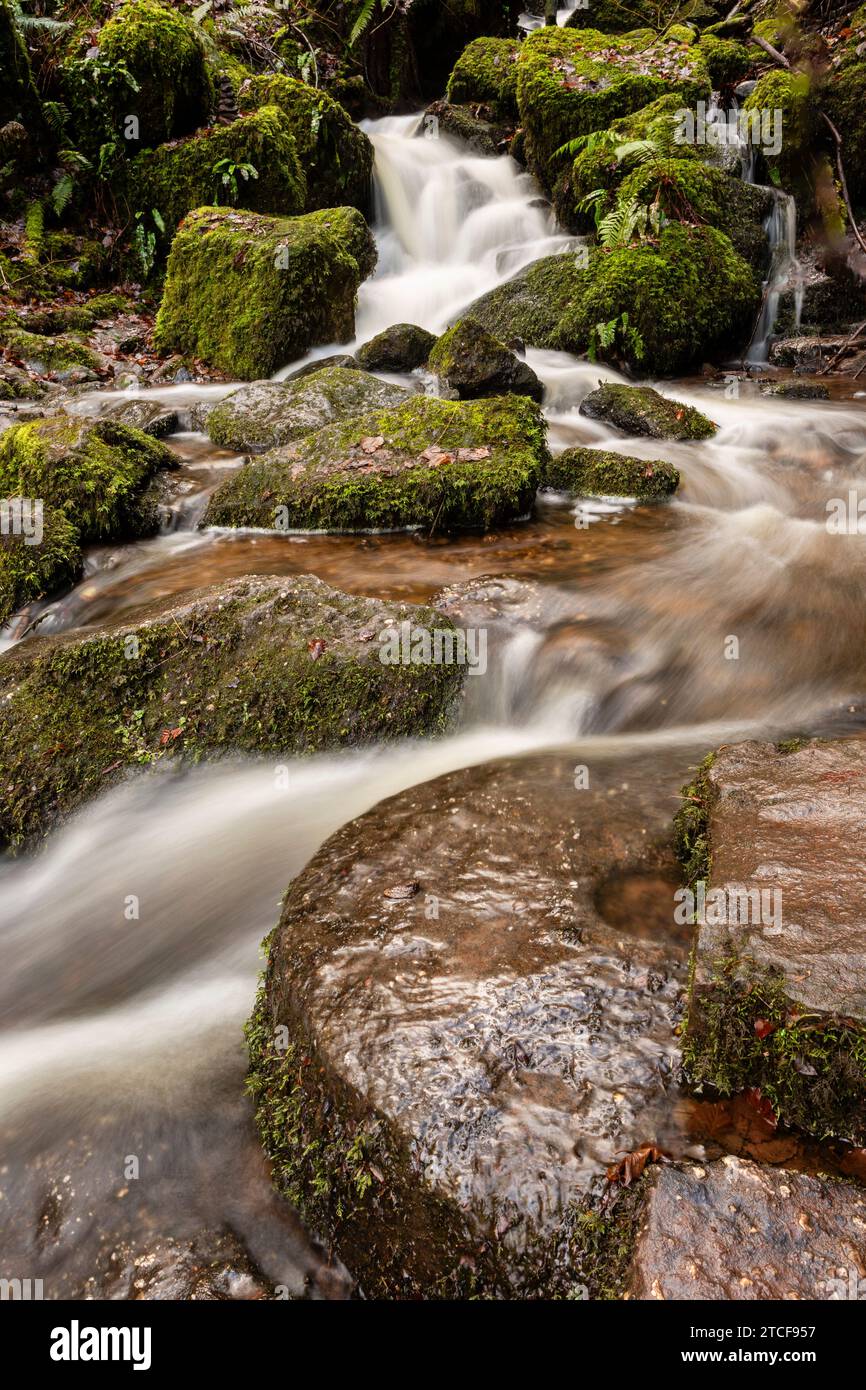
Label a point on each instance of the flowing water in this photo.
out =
(122, 1038)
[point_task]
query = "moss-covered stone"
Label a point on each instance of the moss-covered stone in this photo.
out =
(430, 464)
(176, 178)
(469, 362)
(620, 16)
(150, 64)
(30, 571)
(400, 348)
(640, 410)
(659, 307)
(571, 82)
(336, 157)
(255, 665)
(268, 414)
(791, 94)
(728, 61)
(473, 126)
(44, 353)
(486, 73)
(249, 293)
(102, 475)
(698, 193)
(843, 97)
(599, 473)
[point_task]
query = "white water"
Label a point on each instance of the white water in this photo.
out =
(118, 1034)
(784, 273)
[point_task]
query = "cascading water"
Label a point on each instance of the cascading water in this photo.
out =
(122, 1037)
(784, 275)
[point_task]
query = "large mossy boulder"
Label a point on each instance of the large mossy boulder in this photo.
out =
(150, 64)
(843, 97)
(469, 362)
(791, 165)
(486, 74)
(179, 177)
(31, 567)
(103, 476)
(254, 665)
(249, 293)
(641, 410)
(266, 414)
(600, 473)
(571, 82)
(452, 1042)
(429, 464)
(336, 157)
(658, 307)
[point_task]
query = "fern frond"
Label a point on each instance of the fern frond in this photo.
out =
(362, 22)
(61, 193)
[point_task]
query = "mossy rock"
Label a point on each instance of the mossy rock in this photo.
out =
(486, 73)
(467, 124)
(179, 177)
(571, 82)
(599, 473)
(621, 16)
(249, 293)
(728, 62)
(59, 318)
(256, 665)
(267, 414)
(400, 348)
(429, 464)
(16, 384)
(102, 475)
(791, 94)
(171, 92)
(29, 571)
(336, 157)
(702, 194)
(641, 410)
(44, 353)
(843, 97)
(686, 296)
(469, 362)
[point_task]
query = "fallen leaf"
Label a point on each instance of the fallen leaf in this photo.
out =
(763, 1027)
(759, 1102)
(632, 1165)
(315, 648)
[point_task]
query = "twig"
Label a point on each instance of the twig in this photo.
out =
(843, 181)
(774, 53)
(844, 348)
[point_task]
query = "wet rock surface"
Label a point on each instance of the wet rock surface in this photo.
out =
(400, 348)
(779, 992)
(467, 1038)
(469, 362)
(266, 414)
(641, 410)
(737, 1230)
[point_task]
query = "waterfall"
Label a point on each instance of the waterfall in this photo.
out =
(784, 273)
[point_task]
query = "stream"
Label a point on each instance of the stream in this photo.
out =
(122, 1040)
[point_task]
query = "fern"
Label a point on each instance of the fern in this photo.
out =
(363, 21)
(56, 116)
(585, 143)
(61, 194)
(618, 226)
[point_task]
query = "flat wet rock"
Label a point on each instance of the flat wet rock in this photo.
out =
(779, 994)
(454, 1039)
(737, 1230)
(266, 414)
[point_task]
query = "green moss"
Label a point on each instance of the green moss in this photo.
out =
(597, 473)
(227, 669)
(641, 410)
(249, 293)
(571, 82)
(532, 304)
(55, 354)
(691, 825)
(486, 71)
(60, 318)
(29, 571)
(470, 361)
(442, 466)
(694, 192)
(843, 97)
(790, 93)
(400, 348)
(728, 62)
(177, 178)
(270, 413)
(337, 157)
(686, 298)
(99, 475)
(170, 90)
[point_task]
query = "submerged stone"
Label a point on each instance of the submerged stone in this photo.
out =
(469, 362)
(431, 464)
(249, 293)
(255, 665)
(440, 1077)
(266, 414)
(778, 998)
(734, 1230)
(104, 476)
(641, 410)
(599, 473)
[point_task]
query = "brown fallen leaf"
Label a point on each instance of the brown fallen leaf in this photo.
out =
(763, 1027)
(632, 1165)
(315, 648)
(168, 736)
(759, 1102)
